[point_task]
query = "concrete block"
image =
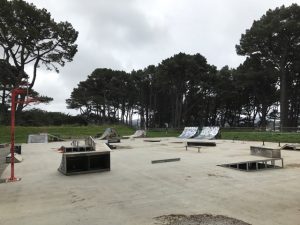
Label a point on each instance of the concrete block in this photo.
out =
(37, 138)
(265, 152)
(84, 162)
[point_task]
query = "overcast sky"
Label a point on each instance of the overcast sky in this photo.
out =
(132, 34)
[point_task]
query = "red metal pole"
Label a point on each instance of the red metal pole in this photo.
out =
(12, 136)
(14, 93)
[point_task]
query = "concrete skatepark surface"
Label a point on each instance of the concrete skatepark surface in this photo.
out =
(135, 192)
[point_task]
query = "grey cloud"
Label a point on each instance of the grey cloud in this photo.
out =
(132, 34)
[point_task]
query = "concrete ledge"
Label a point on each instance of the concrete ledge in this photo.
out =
(265, 152)
(84, 162)
(4, 151)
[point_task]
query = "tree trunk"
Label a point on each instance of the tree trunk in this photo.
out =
(284, 106)
(142, 114)
(264, 112)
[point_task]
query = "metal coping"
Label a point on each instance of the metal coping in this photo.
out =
(201, 143)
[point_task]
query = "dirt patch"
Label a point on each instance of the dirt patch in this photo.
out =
(201, 219)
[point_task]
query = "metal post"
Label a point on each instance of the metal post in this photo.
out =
(14, 93)
(12, 137)
(273, 163)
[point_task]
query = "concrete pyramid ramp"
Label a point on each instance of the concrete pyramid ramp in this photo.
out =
(52, 138)
(18, 158)
(38, 138)
(208, 133)
(109, 133)
(189, 132)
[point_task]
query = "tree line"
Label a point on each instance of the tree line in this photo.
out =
(182, 90)
(185, 90)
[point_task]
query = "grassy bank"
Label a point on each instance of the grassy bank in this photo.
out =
(262, 136)
(69, 132)
(64, 132)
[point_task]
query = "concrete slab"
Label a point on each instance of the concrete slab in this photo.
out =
(136, 191)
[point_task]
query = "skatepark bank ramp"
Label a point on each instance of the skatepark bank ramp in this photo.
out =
(189, 132)
(208, 133)
(137, 134)
(109, 133)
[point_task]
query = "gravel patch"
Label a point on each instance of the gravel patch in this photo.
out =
(201, 219)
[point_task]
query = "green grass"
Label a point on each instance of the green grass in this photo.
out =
(69, 132)
(170, 133)
(64, 132)
(262, 136)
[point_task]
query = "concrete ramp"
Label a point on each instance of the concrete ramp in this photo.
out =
(38, 138)
(294, 147)
(53, 138)
(18, 158)
(208, 133)
(137, 134)
(109, 133)
(256, 165)
(189, 132)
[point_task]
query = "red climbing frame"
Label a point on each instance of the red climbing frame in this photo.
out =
(14, 93)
